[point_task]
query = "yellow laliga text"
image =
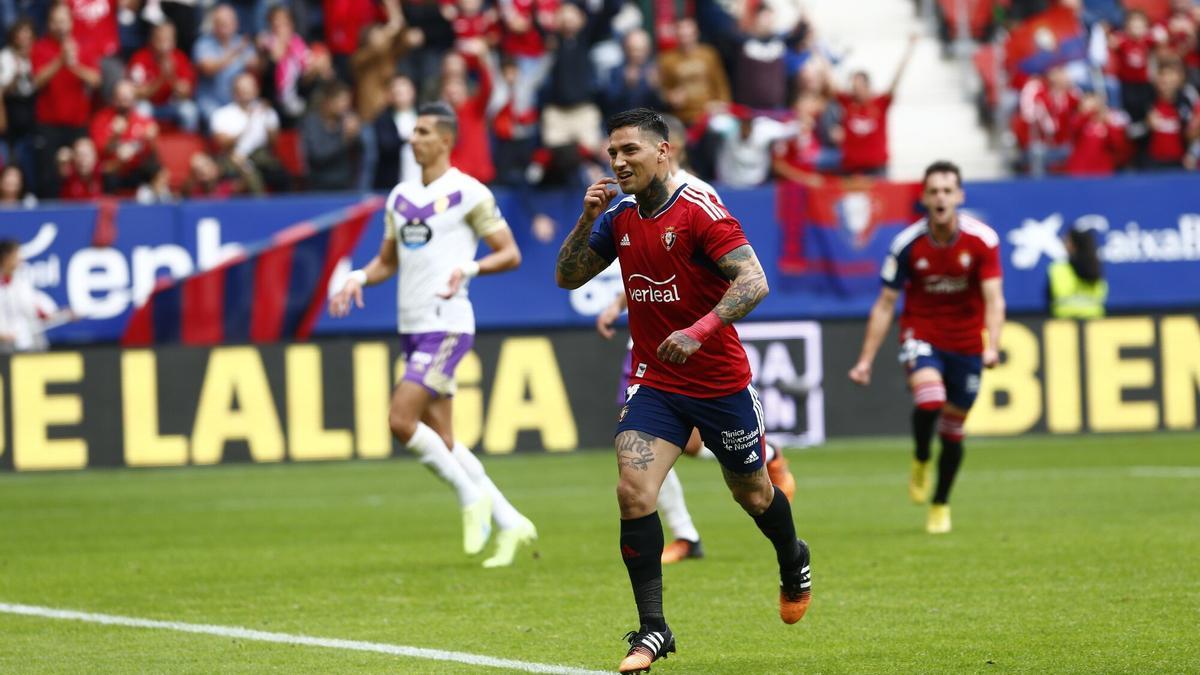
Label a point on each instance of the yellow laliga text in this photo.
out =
(371, 391)
(1017, 378)
(1064, 409)
(144, 446)
(1180, 336)
(528, 364)
(1110, 374)
(35, 411)
(308, 437)
(236, 404)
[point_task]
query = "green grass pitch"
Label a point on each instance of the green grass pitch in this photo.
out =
(1068, 555)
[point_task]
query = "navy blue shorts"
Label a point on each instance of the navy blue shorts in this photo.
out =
(960, 372)
(731, 426)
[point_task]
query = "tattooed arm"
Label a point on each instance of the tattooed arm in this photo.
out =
(747, 288)
(577, 262)
(748, 285)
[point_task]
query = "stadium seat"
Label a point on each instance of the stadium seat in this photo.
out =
(175, 151)
(1156, 10)
(985, 64)
(979, 16)
(287, 149)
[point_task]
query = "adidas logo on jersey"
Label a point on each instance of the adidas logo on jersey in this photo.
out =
(625, 240)
(752, 458)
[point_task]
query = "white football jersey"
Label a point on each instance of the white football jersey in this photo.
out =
(436, 228)
(682, 176)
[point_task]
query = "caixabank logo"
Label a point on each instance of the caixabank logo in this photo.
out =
(1039, 238)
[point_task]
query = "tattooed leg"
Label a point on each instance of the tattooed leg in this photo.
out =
(753, 491)
(642, 464)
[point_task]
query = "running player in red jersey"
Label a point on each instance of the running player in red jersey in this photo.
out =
(948, 265)
(689, 274)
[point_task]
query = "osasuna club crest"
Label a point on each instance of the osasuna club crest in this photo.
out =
(669, 237)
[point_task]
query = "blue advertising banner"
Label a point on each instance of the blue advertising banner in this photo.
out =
(1148, 229)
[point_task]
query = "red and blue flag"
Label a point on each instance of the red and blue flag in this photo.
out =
(1051, 38)
(273, 290)
(835, 236)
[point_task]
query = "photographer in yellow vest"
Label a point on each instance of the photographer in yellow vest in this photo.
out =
(1077, 286)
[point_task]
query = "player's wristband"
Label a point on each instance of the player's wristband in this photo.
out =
(704, 328)
(360, 276)
(470, 270)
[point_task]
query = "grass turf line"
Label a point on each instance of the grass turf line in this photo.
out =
(1069, 554)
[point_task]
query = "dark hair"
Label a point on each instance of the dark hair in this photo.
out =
(446, 118)
(331, 89)
(276, 9)
(18, 26)
(7, 246)
(943, 166)
(644, 119)
(1085, 258)
(1171, 63)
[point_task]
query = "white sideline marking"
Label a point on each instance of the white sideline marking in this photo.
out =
(288, 639)
(1166, 471)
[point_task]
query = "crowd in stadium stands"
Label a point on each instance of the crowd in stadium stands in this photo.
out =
(157, 99)
(1130, 101)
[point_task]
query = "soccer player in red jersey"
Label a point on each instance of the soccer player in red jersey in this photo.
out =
(689, 274)
(948, 265)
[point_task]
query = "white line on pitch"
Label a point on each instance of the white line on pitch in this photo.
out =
(1165, 471)
(288, 639)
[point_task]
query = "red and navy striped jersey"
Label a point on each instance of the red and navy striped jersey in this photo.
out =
(943, 300)
(668, 262)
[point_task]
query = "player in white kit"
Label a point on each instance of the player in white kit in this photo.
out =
(433, 227)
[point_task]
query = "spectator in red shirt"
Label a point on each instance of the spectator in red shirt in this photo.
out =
(524, 24)
(63, 76)
(1098, 145)
(800, 158)
(515, 130)
(1182, 39)
(470, 20)
(472, 154)
(1131, 49)
(94, 27)
(865, 148)
(1043, 124)
(79, 171)
(165, 80)
(125, 139)
(345, 21)
(1169, 118)
(206, 180)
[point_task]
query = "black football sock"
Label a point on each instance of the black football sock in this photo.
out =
(948, 463)
(641, 549)
(776, 523)
(923, 422)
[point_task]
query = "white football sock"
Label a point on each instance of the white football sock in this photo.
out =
(433, 453)
(674, 509)
(705, 453)
(503, 512)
